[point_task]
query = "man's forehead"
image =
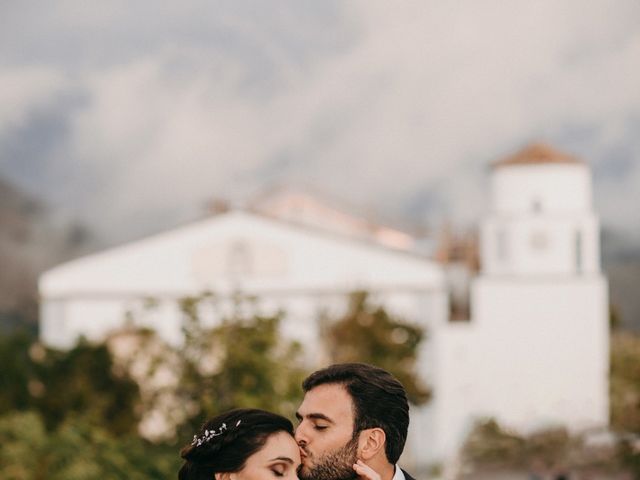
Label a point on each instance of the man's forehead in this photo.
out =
(331, 400)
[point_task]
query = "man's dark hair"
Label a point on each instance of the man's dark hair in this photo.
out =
(220, 449)
(379, 400)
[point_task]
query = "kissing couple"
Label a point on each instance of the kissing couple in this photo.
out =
(352, 424)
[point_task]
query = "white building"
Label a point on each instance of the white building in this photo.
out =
(534, 352)
(288, 266)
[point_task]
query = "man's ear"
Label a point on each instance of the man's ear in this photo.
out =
(224, 476)
(371, 443)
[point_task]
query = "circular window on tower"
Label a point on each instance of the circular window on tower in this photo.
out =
(539, 240)
(536, 205)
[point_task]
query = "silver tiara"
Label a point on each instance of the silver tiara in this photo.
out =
(209, 434)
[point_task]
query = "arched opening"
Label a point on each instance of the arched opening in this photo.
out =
(578, 251)
(502, 247)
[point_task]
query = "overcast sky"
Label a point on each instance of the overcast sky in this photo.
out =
(130, 115)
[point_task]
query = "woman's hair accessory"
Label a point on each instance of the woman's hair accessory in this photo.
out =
(209, 434)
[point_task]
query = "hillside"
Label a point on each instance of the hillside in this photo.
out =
(31, 240)
(621, 263)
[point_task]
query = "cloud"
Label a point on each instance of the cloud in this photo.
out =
(396, 107)
(23, 91)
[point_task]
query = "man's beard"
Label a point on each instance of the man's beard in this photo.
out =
(336, 465)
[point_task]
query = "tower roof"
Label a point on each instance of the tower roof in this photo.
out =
(537, 153)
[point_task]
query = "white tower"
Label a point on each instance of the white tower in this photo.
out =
(540, 305)
(535, 352)
(541, 220)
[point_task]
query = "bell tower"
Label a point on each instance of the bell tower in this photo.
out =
(535, 352)
(540, 306)
(541, 220)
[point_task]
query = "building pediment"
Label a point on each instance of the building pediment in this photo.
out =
(238, 257)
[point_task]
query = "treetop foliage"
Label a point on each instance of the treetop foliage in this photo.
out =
(369, 333)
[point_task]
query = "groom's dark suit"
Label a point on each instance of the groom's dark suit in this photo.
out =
(407, 476)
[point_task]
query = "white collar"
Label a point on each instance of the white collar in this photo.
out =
(398, 475)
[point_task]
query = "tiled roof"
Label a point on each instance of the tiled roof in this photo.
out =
(537, 153)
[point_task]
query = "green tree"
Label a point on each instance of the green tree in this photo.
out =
(81, 381)
(242, 362)
(628, 455)
(488, 444)
(17, 373)
(624, 382)
(368, 333)
(490, 447)
(624, 397)
(77, 450)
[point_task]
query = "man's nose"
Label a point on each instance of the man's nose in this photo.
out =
(300, 435)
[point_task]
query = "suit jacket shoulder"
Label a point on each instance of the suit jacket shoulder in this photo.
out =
(407, 476)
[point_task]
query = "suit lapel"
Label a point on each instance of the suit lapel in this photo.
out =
(407, 476)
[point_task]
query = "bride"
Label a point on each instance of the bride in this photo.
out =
(247, 444)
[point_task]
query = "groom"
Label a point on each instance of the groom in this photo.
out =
(352, 412)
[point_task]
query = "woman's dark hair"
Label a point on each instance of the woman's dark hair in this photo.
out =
(224, 443)
(379, 400)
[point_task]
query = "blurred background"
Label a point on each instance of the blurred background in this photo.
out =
(359, 121)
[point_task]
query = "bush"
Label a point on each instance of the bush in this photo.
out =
(77, 450)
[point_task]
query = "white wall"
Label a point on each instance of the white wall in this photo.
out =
(90, 296)
(535, 354)
(201, 256)
(555, 187)
(530, 244)
(540, 222)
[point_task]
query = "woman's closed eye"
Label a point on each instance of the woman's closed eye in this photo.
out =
(279, 470)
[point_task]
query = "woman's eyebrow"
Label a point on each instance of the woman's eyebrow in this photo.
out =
(285, 459)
